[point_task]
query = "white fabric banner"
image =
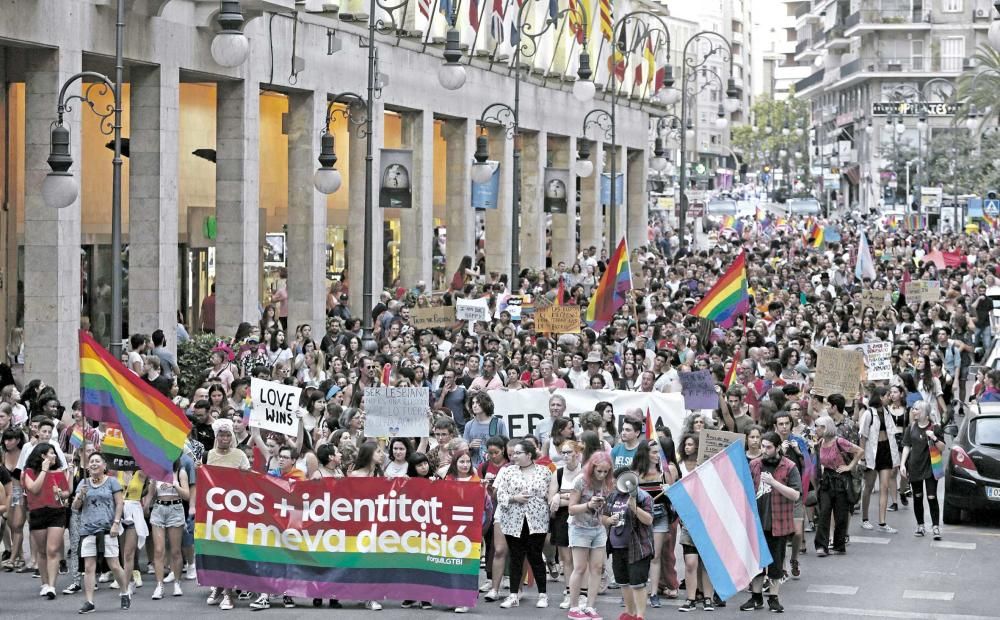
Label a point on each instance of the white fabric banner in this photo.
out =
(523, 410)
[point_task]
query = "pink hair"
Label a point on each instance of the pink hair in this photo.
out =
(598, 458)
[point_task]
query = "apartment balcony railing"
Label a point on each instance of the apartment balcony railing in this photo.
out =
(812, 80)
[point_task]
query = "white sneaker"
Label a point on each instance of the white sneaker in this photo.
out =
(114, 584)
(137, 579)
(158, 592)
(226, 603)
(491, 596)
(177, 589)
(505, 583)
(486, 586)
(887, 529)
(565, 602)
(190, 573)
(169, 578)
(461, 610)
(105, 577)
(867, 525)
(214, 596)
(373, 606)
(510, 601)
(543, 601)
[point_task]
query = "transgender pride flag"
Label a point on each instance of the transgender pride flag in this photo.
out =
(717, 503)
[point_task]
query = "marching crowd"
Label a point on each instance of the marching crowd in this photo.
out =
(553, 506)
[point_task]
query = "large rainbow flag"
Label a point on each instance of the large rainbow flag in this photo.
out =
(153, 428)
(728, 298)
(610, 293)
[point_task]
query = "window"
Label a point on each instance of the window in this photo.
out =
(952, 53)
(951, 6)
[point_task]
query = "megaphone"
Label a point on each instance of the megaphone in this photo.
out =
(627, 482)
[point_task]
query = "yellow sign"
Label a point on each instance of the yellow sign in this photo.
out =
(558, 319)
(439, 316)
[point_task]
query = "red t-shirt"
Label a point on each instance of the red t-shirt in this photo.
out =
(46, 498)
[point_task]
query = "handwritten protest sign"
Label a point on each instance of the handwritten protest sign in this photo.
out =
(472, 310)
(439, 316)
(921, 291)
(838, 371)
(698, 389)
(115, 451)
(874, 298)
(274, 406)
(396, 412)
(348, 538)
(711, 442)
(877, 357)
(558, 320)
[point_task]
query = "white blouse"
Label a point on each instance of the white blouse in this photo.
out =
(533, 482)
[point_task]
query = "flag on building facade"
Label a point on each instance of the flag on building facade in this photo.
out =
(607, 19)
(717, 503)
(610, 293)
(153, 427)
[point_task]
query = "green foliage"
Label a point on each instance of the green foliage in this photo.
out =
(982, 90)
(193, 357)
(759, 148)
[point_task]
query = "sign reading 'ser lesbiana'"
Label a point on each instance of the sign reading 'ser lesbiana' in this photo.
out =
(350, 538)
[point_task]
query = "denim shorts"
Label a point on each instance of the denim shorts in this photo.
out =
(187, 540)
(661, 525)
(167, 515)
(587, 537)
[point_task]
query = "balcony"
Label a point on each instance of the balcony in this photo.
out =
(813, 80)
(887, 19)
(864, 68)
(807, 49)
(836, 39)
(801, 10)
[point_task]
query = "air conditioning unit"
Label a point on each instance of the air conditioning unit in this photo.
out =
(981, 13)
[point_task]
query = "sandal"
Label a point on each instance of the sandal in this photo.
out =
(8, 566)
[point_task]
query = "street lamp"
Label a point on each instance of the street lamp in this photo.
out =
(451, 74)
(508, 117)
(659, 161)
(230, 47)
(584, 167)
(327, 179)
(721, 121)
(60, 189)
(709, 45)
(643, 32)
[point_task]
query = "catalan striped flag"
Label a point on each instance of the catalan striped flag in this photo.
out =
(989, 223)
(610, 293)
(579, 19)
(718, 505)
(153, 428)
(728, 298)
(815, 237)
(607, 19)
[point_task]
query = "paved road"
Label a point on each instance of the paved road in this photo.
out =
(882, 576)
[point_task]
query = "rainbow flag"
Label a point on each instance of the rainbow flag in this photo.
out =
(76, 437)
(610, 293)
(731, 375)
(728, 298)
(650, 429)
(989, 223)
(937, 464)
(153, 428)
(815, 238)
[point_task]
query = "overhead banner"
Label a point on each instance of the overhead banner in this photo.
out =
(556, 190)
(394, 192)
(524, 410)
(396, 411)
(347, 538)
(274, 406)
(487, 195)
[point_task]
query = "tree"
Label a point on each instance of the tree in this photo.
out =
(951, 162)
(761, 142)
(981, 91)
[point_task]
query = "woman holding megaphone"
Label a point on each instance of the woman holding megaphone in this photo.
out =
(628, 512)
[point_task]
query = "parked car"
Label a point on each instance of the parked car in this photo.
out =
(719, 208)
(972, 473)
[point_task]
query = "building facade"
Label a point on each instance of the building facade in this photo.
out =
(218, 179)
(869, 57)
